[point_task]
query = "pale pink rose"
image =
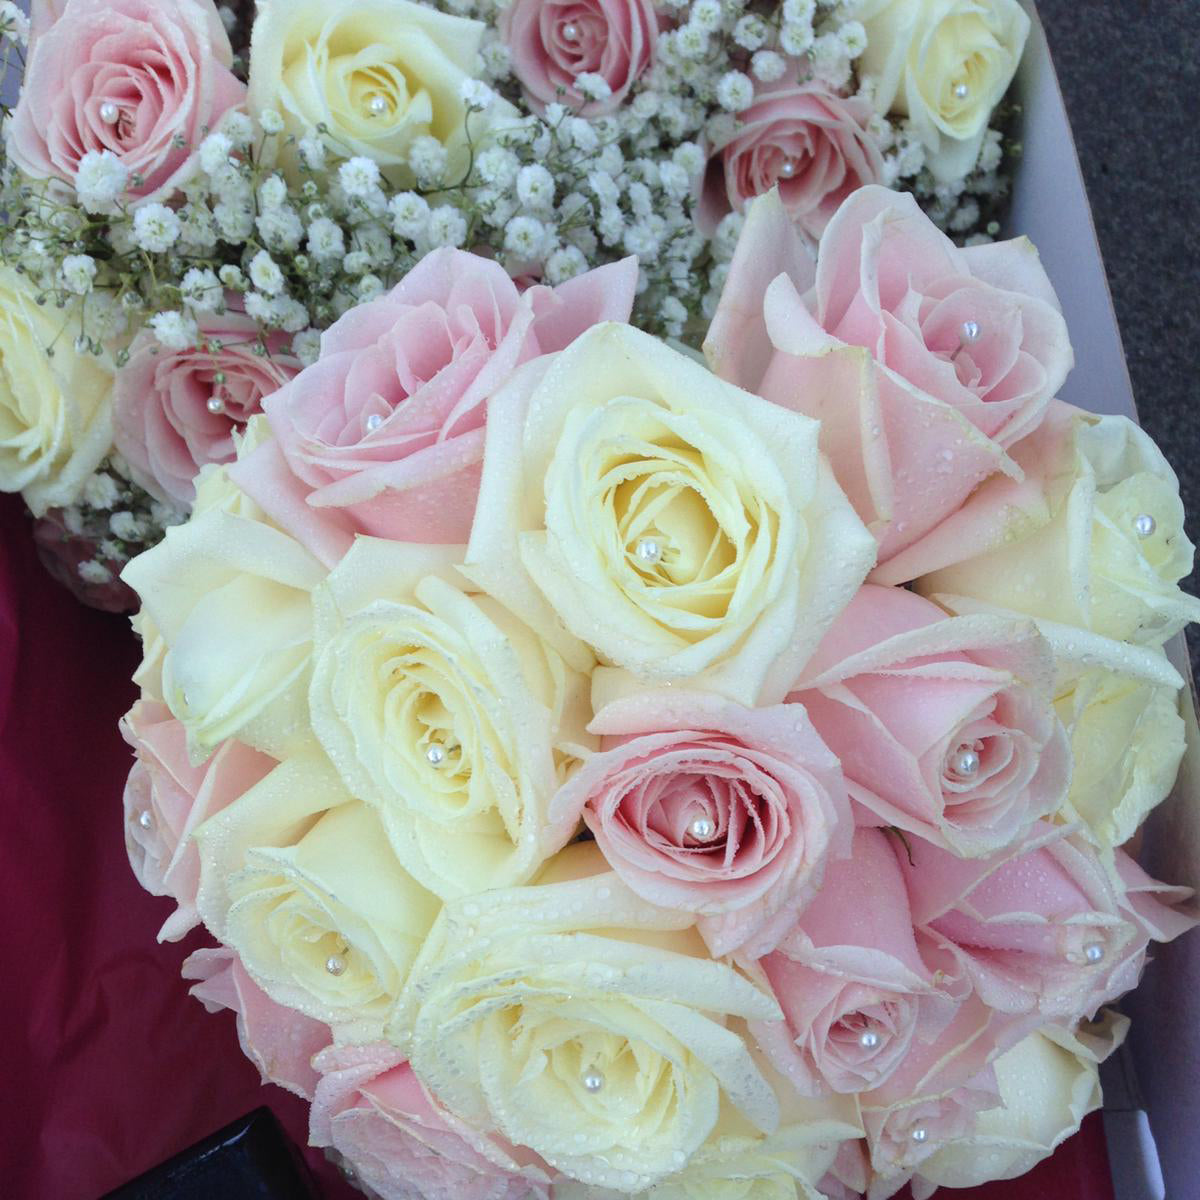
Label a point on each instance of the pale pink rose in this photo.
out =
(703, 805)
(847, 1178)
(811, 143)
(945, 726)
(167, 797)
(370, 1107)
(854, 990)
(1042, 928)
(159, 68)
(279, 1041)
(934, 1096)
(61, 552)
(43, 14)
(553, 42)
(384, 433)
(871, 342)
(175, 410)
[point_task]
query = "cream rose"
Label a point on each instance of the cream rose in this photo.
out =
(55, 405)
(369, 77)
(739, 1163)
(299, 878)
(230, 596)
(1092, 537)
(449, 716)
(676, 524)
(1048, 1083)
(944, 64)
(580, 1021)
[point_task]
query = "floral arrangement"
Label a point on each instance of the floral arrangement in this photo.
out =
(609, 773)
(195, 193)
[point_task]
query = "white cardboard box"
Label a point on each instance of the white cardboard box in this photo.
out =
(1157, 1074)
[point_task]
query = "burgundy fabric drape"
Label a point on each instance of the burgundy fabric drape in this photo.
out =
(108, 1066)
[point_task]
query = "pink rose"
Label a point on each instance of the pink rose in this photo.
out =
(167, 797)
(703, 805)
(279, 1041)
(61, 552)
(854, 990)
(370, 1107)
(384, 433)
(923, 362)
(934, 1096)
(802, 138)
(945, 726)
(1044, 927)
(143, 79)
(175, 410)
(553, 42)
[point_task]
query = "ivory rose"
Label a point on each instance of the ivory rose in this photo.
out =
(676, 524)
(230, 595)
(167, 796)
(574, 1018)
(800, 137)
(704, 806)
(370, 1107)
(298, 877)
(175, 410)
(447, 715)
(385, 432)
(553, 42)
(1048, 1083)
(740, 1162)
(849, 977)
(278, 1040)
(144, 80)
(945, 727)
(1092, 537)
(1043, 927)
(944, 64)
(368, 77)
(55, 412)
(871, 342)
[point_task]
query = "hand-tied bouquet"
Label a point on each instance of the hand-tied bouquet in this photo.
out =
(195, 193)
(539, 720)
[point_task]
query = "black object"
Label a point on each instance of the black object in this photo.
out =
(250, 1159)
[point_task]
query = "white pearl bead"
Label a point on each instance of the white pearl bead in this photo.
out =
(373, 422)
(1144, 525)
(109, 113)
(964, 764)
(215, 405)
(335, 964)
(868, 1039)
(788, 169)
(571, 32)
(962, 91)
(702, 829)
(377, 104)
(970, 332)
(593, 1080)
(919, 1134)
(649, 550)
(1094, 952)
(435, 755)
(146, 819)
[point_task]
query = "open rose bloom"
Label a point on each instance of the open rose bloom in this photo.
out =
(538, 720)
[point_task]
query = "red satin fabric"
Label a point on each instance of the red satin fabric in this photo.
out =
(108, 1066)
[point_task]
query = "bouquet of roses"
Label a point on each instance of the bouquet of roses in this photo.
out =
(607, 773)
(195, 193)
